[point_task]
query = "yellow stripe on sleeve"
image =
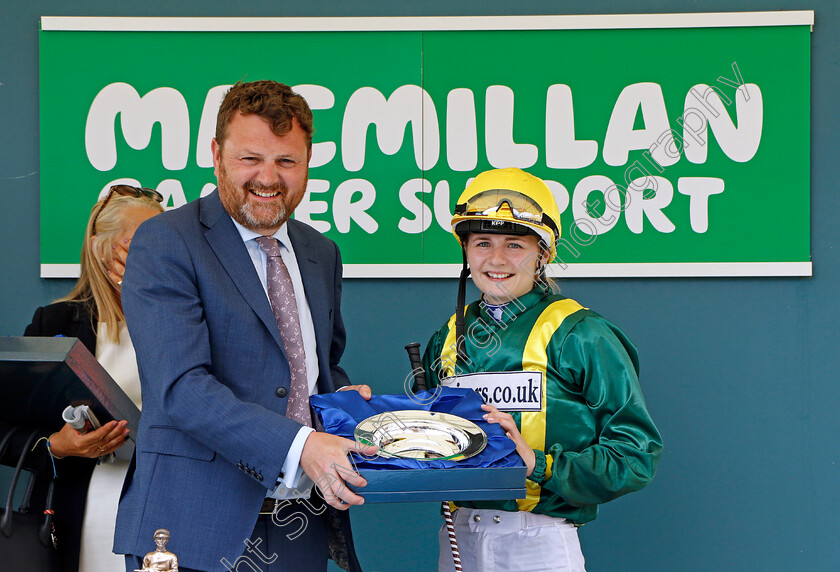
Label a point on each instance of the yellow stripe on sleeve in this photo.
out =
(447, 364)
(535, 358)
(449, 350)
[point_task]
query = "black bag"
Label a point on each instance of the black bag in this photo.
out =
(27, 540)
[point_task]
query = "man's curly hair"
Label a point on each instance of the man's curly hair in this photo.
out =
(275, 102)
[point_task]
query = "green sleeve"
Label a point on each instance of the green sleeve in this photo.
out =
(602, 365)
(540, 466)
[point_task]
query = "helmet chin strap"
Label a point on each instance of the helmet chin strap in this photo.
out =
(461, 354)
(542, 267)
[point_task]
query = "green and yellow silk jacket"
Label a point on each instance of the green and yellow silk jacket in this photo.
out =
(593, 437)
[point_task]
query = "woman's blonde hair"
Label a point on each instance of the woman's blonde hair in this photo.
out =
(94, 288)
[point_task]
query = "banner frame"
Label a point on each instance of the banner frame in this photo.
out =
(422, 23)
(593, 270)
(467, 23)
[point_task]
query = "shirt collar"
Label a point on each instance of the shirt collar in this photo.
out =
(514, 307)
(247, 234)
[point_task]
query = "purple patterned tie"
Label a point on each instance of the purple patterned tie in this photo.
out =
(281, 294)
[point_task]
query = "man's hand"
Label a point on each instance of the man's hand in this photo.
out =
(324, 460)
(364, 390)
(525, 451)
(70, 443)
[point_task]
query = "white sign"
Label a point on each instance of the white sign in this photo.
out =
(505, 390)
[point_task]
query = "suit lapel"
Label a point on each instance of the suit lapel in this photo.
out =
(226, 243)
(313, 284)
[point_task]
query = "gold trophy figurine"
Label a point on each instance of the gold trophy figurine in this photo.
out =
(160, 560)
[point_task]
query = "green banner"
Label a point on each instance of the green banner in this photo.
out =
(681, 149)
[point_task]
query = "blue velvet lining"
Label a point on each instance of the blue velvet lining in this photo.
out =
(340, 412)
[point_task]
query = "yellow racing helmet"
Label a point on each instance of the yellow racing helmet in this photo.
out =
(508, 201)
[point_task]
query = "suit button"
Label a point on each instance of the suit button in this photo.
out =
(281, 392)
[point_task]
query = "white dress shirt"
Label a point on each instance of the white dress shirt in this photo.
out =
(294, 483)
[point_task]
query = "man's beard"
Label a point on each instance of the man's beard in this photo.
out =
(252, 215)
(264, 216)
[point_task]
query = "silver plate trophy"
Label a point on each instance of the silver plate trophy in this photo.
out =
(422, 435)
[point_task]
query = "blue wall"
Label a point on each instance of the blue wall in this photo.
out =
(740, 374)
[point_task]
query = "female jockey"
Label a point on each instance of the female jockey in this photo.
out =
(561, 380)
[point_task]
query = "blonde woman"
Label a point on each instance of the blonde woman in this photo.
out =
(86, 492)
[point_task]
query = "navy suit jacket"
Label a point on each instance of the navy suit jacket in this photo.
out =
(213, 436)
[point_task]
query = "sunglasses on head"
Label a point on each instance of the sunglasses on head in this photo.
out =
(125, 191)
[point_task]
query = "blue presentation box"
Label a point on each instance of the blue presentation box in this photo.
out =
(452, 484)
(398, 480)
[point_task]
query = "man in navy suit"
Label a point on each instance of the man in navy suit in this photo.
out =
(218, 463)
